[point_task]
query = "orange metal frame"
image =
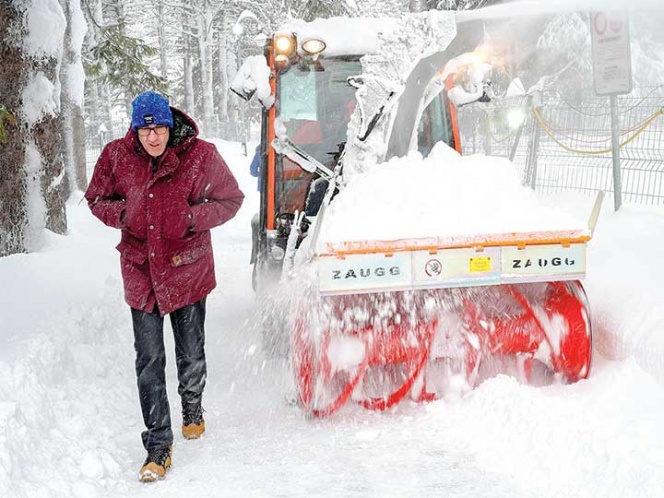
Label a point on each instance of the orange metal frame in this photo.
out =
(271, 155)
(433, 244)
(453, 117)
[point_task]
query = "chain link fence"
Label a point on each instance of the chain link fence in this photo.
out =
(95, 140)
(559, 144)
(234, 131)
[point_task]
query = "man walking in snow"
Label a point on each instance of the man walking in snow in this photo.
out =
(165, 188)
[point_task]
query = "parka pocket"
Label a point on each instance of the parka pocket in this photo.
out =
(131, 253)
(190, 253)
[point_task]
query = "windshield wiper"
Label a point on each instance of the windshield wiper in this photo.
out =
(376, 117)
(284, 145)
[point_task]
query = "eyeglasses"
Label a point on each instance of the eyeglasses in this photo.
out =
(158, 130)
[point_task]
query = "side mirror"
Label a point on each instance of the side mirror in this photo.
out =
(253, 78)
(243, 84)
(244, 93)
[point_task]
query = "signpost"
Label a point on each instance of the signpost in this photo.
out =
(612, 74)
(612, 65)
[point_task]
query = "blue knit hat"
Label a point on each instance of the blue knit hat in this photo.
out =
(151, 108)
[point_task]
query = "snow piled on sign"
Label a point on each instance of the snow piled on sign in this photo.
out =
(445, 194)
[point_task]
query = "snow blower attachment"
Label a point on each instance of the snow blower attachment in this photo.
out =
(419, 319)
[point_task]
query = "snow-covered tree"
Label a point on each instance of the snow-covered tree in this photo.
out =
(563, 53)
(422, 5)
(71, 98)
(459, 4)
(647, 48)
(201, 18)
(118, 58)
(31, 166)
(314, 9)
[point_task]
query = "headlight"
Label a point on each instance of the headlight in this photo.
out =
(284, 45)
(515, 118)
(313, 46)
(277, 253)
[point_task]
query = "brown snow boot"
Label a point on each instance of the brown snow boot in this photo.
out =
(193, 425)
(156, 465)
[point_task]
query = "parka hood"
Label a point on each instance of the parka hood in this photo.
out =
(184, 129)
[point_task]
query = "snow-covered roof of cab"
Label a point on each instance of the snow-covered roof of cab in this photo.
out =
(342, 35)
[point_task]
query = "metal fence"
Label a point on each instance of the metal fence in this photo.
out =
(234, 131)
(94, 143)
(562, 145)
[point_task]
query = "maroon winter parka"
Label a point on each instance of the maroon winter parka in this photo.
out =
(165, 208)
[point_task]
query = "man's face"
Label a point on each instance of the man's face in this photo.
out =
(154, 139)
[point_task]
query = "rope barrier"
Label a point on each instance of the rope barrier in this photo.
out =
(646, 123)
(560, 130)
(497, 140)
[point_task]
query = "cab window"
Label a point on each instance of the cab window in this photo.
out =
(435, 125)
(314, 102)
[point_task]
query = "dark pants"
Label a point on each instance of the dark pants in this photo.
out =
(189, 335)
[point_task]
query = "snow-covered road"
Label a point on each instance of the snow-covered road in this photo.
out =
(70, 421)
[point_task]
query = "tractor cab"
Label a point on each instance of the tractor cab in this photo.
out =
(324, 92)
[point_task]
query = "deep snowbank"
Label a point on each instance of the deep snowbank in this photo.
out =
(70, 421)
(445, 194)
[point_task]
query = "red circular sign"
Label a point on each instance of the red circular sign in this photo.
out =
(433, 268)
(599, 23)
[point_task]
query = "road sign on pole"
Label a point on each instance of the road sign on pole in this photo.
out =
(612, 62)
(612, 75)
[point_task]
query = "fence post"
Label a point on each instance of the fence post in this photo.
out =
(533, 150)
(517, 139)
(615, 153)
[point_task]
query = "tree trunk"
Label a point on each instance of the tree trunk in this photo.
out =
(204, 27)
(31, 168)
(107, 107)
(66, 106)
(223, 73)
(161, 39)
(104, 103)
(78, 133)
(78, 105)
(233, 61)
(13, 213)
(189, 101)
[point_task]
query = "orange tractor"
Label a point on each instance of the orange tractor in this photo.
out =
(431, 314)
